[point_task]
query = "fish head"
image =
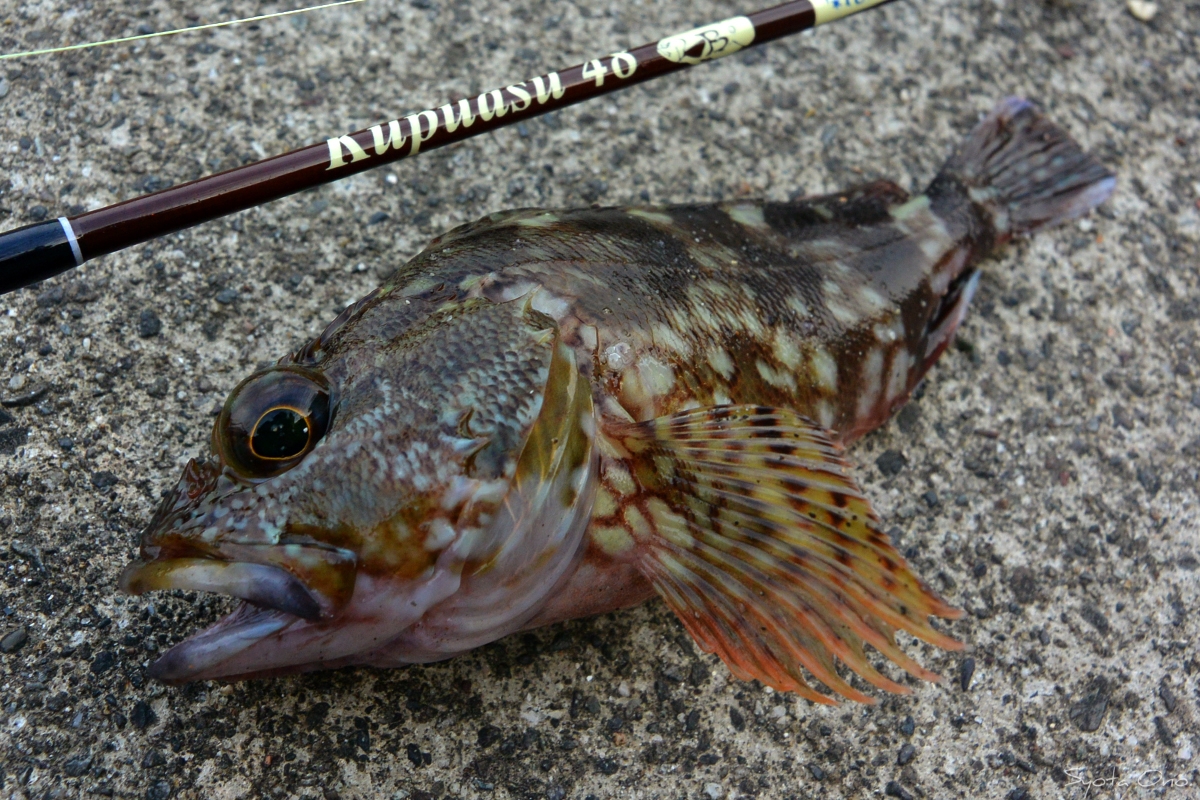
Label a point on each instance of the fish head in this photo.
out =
(349, 497)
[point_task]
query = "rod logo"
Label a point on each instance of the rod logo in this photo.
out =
(718, 40)
(416, 129)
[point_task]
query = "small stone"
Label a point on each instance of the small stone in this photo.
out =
(1148, 477)
(159, 790)
(227, 296)
(1143, 9)
(158, 390)
(27, 399)
(907, 751)
(908, 726)
(817, 773)
(965, 672)
(149, 324)
(593, 190)
(894, 789)
(103, 479)
(11, 439)
(891, 462)
(13, 641)
(142, 716)
(736, 719)
(1088, 713)
(1165, 734)
(77, 765)
(714, 791)
(5, 417)
(16, 383)
(488, 735)
(103, 662)
(909, 418)
(1168, 697)
(1023, 585)
(1094, 616)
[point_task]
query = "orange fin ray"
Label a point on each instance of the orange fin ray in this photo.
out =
(760, 541)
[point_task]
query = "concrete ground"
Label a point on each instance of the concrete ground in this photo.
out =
(1048, 478)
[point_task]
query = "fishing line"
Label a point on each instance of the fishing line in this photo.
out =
(191, 29)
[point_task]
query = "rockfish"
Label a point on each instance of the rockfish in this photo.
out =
(548, 414)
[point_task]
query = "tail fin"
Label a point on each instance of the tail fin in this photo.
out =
(1025, 171)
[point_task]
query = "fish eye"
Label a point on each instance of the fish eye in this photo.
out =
(280, 433)
(272, 420)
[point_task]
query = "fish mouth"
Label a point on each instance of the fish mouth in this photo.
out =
(273, 599)
(280, 588)
(202, 655)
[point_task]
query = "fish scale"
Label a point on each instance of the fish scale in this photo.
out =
(554, 413)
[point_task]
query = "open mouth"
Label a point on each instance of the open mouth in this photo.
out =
(282, 588)
(274, 600)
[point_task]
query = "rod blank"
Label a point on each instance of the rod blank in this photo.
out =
(36, 252)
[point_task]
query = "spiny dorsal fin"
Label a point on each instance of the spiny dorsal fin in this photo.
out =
(752, 530)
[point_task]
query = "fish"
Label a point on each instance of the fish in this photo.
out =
(551, 414)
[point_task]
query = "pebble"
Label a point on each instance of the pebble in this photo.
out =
(907, 751)
(159, 790)
(77, 765)
(1088, 713)
(103, 662)
(27, 399)
(891, 462)
(142, 716)
(1167, 696)
(488, 735)
(149, 324)
(1096, 617)
(896, 790)
(965, 672)
(13, 641)
(159, 388)
(1142, 9)
(908, 726)
(104, 479)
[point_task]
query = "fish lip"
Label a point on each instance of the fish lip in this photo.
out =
(200, 653)
(262, 585)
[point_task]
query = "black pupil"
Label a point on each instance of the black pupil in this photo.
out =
(281, 433)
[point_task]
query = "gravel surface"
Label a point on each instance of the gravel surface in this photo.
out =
(1046, 479)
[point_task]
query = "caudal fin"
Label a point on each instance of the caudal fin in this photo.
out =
(1025, 172)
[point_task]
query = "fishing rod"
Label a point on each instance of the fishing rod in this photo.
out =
(36, 252)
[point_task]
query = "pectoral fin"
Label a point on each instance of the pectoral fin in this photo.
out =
(747, 522)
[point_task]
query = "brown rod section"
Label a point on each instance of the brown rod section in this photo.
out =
(40, 251)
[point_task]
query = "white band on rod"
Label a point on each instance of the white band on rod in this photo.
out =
(70, 232)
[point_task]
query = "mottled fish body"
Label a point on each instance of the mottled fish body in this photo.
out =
(548, 414)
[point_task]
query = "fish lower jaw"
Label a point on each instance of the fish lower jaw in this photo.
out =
(257, 641)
